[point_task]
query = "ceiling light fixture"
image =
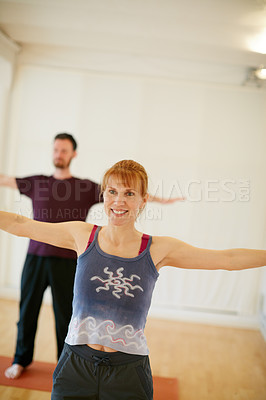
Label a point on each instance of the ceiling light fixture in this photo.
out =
(256, 76)
(260, 72)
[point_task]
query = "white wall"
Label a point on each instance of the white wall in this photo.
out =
(8, 56)
(203, 140)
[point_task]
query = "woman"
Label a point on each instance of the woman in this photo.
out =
(106, 354)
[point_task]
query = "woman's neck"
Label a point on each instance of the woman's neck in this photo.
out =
(122, 241)
(120, 234)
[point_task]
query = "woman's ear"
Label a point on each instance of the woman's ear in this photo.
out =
(145, 199)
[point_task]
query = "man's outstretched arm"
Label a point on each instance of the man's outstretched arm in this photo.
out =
(9, 181)
(164, 200)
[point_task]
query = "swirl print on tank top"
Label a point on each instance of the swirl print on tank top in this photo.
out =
(112, 297)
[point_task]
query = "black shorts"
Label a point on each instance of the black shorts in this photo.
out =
(83, 373)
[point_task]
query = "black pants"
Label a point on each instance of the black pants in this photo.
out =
(86, 374)
(39, 273)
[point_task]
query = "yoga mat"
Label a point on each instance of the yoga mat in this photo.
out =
(38, 376)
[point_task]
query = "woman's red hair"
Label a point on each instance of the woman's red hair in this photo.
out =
(131, 174)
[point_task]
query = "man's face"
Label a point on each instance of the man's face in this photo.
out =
(63, 153)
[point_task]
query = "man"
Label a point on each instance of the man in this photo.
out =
(57, 198)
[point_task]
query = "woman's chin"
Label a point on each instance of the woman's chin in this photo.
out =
(122, 220)
(118, 221)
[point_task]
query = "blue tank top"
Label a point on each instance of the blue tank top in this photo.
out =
(112, 297)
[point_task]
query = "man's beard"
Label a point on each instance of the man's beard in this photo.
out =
(61, 164)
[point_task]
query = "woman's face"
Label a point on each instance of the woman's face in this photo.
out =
(122, 204)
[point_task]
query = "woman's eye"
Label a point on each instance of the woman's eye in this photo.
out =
(111, 191)
(130, 194)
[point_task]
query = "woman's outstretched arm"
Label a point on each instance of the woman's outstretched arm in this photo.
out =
(174, 252)
(63, 234)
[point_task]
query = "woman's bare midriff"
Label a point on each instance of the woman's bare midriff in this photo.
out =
(101, 348)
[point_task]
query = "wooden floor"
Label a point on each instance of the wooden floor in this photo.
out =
(210, 363)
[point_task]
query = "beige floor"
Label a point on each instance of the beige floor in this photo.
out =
(211, 363)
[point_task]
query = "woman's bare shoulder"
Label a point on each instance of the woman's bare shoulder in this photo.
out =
(160, 248)
(164, 240)
(81, 231)
(80, 226)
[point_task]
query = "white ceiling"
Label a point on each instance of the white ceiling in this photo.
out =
(209, 31)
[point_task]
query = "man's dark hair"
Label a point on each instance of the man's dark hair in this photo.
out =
(64, 135)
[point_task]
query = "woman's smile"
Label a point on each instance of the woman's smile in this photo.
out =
(119, 212)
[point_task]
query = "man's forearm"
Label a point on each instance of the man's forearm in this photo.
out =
(163, 200)
(9, 181)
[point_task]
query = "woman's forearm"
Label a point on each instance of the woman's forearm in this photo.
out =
(13, 223)
(246, 258)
